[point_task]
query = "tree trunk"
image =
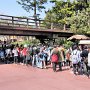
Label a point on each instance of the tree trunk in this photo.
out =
(64, 28)
(51, 25)
(35, 13)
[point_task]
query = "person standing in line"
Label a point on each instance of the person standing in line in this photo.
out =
(27, 58)
(88, 68)
(18, 49)
(84, 56)
(68, 53)
(2, 55)
(42, 59)
(75, 59)
(34, 59)
(61, 57)
(8, 52)
(55, 58)
(45, 50)
(15, 53)
(24, 53)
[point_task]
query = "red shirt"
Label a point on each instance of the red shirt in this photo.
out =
(24, 52)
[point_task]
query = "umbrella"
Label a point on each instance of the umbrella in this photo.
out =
(78, 37)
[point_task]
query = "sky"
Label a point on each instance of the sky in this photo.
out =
(12, 8)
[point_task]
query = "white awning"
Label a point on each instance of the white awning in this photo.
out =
(84, 42)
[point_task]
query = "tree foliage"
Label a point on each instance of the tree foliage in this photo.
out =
(50, 19)
(80, 22)
(75, 15)
(64, 14)
(34, 5)
(60, 12)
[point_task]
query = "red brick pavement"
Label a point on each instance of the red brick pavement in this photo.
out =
(18, 77)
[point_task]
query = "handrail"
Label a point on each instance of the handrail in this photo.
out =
(24, 21)
(13, 20)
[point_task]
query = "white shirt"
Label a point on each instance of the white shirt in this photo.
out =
(8, 51)
(15, 52)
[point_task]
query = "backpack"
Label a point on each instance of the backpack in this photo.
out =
(54, 58)
(74, 58)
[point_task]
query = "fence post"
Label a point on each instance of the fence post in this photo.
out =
(12, 21)
(27, 22)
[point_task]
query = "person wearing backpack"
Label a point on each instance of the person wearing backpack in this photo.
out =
(42, 59)
(84, 56)
(75, 57)
(54, 57)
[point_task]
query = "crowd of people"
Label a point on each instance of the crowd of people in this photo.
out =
(43, 55)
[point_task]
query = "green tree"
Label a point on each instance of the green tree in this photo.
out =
(80, 22)
(81, 4)
(69, 14)
(33, 5)
(50, 20)
(60, 12)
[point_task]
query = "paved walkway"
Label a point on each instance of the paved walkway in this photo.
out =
(19, 77)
